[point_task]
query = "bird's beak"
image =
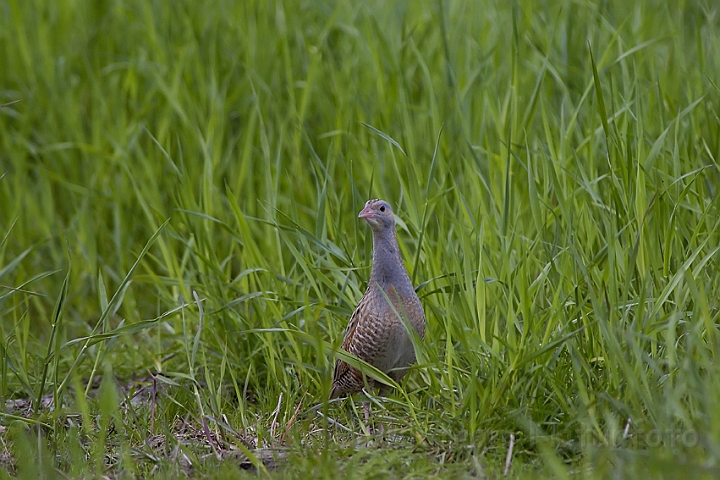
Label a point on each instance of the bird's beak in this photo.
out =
(366, 212)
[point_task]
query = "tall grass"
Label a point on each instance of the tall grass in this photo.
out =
(180, 250)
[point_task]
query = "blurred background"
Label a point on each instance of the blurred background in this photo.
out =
(179, 189)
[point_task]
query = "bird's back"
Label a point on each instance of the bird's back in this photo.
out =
(377, 335)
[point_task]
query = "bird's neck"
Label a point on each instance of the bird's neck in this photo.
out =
(387, 266)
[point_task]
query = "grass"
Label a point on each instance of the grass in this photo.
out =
(180, 253)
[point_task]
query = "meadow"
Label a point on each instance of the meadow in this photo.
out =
(180, 249)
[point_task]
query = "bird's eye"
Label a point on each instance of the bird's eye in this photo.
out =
(382, 208)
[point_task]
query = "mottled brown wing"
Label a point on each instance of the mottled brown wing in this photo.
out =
(347, 379)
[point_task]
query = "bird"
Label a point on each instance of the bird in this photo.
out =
(376, 333)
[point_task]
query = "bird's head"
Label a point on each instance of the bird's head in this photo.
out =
(378, 214)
